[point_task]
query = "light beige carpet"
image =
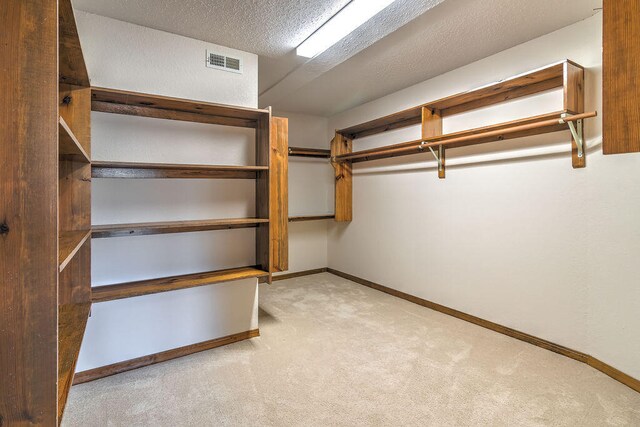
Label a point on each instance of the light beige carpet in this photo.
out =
(336, 353)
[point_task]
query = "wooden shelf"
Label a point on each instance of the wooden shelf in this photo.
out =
(146, 228)
(72, 68)
(162, 107)
(72, 321)
(310, 218)
(546, 78)
(309, 152)
(69, 242)
(68, 144)
(165, 284)
(529, 126)
(166, 170)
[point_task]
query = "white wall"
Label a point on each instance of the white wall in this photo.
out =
(311, 192)
(513, 234)
(124, 56)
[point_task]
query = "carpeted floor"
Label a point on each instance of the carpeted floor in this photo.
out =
(332, 352)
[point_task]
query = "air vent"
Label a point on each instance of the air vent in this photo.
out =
(225, 63)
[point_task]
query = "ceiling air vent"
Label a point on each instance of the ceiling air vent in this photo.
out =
(225, 63)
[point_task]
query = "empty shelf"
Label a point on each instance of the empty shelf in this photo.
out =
(69, 242)
(536, 125)
(165, 284)
(162, 107)
(536, 81)
(68, 144)
(146, 228)
(310, 218)
(72, 320)
(168, 170)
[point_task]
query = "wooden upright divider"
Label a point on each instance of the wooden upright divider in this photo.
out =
(74, 200)
(279, 176)
(621, 77)
(263, 194)
(28, 212)
(573, 87)
(343, 175)
(432, 126)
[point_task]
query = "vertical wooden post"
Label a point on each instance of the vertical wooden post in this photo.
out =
(432, 126)
(344, 181)
(574, 104)
(28, 212)
(621, 76)
(263, 194)
(279, 176)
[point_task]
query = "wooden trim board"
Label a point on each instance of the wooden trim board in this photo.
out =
(299, 274)
(139, 362)
(609, 370)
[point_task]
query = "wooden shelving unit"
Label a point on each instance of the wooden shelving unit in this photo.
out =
(146, 228)
(74, 200)
(269, 174)
(565, 74)
(271, 147)
(165, 284)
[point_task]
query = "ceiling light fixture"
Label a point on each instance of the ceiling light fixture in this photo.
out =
(342, 23)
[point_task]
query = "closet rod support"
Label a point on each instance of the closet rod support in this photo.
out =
(436, 156)
(576, 132)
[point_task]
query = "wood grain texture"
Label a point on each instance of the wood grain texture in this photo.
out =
(129, 170)
(573, 94)
(515, 129)
(173, 283)
(167, 227)
(70, 243)
(279, 194)
(116, 368)
(69, 146)
(432, 127)
(72, 321)
(28, 212)
(310, 218)
(522, 336)
(74, 106)
(264, 243)
(341, 145)
(163, 107)
(621, 76)
(74, 281)
(535, 81)
(309, 152)
(72, 68)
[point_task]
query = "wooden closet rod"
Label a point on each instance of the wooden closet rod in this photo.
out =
(421, 145)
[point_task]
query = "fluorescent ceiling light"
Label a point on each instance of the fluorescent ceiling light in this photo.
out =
(342, 23)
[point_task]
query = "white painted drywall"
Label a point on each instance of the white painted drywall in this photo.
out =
(125, 56)
(513, 234)
(311, 192)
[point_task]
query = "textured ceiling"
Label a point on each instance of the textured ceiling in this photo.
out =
(265, 27)
(451, 35)
(410, 41)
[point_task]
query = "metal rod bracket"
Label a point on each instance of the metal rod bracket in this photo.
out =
(577, 133)
(437, 157)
